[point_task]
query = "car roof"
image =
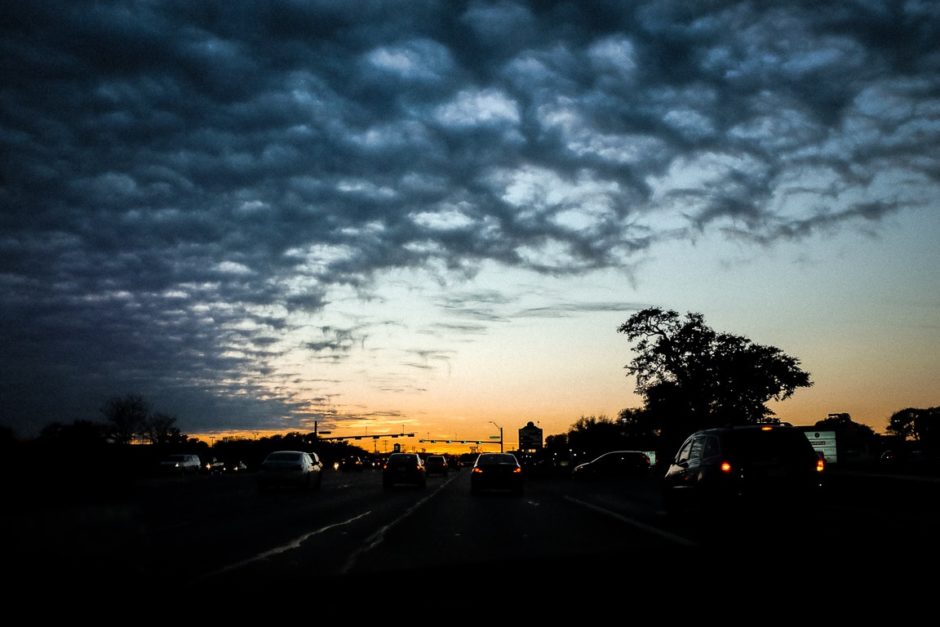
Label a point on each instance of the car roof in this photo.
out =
(740, 428)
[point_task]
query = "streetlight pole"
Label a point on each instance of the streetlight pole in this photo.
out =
(500, 435)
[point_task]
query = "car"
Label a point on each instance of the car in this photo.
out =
(181, 464)
(436, 465)
(496, 471)
(615, 464)
(235, 465)
(404, 468)
(352, 463)
(214, 466)
(291, 468)
(772, 464)
(468, 459)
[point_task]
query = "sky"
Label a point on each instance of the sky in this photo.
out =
(433, 216)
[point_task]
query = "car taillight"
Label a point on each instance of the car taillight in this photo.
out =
(478, 470)
(516, 470)
(820, 465)
(725, 467)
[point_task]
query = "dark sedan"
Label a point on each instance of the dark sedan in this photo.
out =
(496, 471)
(615, 465)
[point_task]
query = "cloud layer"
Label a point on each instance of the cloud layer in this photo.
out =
(182, 182)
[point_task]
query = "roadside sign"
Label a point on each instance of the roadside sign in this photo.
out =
(824, 442)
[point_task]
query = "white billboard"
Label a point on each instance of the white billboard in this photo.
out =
(824, 442)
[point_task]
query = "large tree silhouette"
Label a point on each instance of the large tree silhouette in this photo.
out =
(127, 417)
(921, 425)
(693, 377)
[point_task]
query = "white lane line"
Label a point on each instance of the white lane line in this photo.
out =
(633, 522)
(290, 546)
(379, 536)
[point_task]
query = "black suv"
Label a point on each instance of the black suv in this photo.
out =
(404, 468)
(721, 466)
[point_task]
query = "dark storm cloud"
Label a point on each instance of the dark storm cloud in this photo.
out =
(180, 178)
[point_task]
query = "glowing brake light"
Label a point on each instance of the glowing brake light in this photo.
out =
(766, 428)
(725, 467)
(478, 470)
(820, 465)
(516, 470)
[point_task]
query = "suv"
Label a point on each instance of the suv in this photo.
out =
(404, 468)
(718, 466)
(436, 465)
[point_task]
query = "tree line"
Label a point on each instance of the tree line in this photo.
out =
(692, 377)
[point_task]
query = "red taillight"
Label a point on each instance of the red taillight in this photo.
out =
(517, 470)
(477, 469)
(384, 466)
(820, 465)
(725, 467)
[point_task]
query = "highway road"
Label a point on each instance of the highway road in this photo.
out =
(221, 532)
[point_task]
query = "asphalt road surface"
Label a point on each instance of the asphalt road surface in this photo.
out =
(221, 532)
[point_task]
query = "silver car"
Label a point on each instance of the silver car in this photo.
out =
(181, 464)
(293, 468)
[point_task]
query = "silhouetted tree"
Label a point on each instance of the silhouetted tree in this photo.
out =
(161, 430)
(639, 427)
(557, 443)
(901, 423)
(595, 435)
(693, 377)
(921, 425)
(853, 438)
(127, 417)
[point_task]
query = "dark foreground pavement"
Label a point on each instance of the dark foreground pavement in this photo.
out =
(443, 544)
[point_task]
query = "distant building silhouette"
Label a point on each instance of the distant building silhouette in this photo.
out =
(530, 437)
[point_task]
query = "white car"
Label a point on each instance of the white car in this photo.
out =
(291, 468)
(181, 464)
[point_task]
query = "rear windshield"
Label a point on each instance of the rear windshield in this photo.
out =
(284, 457)
(769, 446)
(494, 458)
(402, 459)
